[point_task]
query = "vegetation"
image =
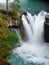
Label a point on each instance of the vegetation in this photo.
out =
(15, 8)
(7, 38)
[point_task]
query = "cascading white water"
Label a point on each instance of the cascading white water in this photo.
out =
(38, 51)
(38, 28)
(31, 20)
(27, 28)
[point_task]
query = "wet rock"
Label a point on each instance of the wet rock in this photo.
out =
(14, 26)
(47, 18)
(46, 29)
(23, 13)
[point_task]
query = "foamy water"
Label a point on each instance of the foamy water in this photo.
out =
(34, 53)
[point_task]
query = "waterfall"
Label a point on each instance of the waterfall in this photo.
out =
(34, 51)
(27, 28)
(38, 27)
(31, 20)
(35, 27)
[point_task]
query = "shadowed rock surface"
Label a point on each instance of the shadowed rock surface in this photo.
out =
(46, 29)
(14, 26)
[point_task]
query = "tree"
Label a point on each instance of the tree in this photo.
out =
(15, 7)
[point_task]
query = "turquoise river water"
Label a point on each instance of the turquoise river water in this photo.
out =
(34, 6)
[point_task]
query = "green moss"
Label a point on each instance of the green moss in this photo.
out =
(12, 37)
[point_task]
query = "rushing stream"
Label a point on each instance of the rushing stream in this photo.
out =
(34, 51)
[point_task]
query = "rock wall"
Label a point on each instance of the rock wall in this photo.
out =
(46, 29)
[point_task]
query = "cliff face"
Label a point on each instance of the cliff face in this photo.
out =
(46, 29)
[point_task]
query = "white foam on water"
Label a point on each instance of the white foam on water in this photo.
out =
(34, 53)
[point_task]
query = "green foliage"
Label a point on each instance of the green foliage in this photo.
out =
(6, 38)
(0, 4)
(15, 8)
(12, 38)
(5, 49)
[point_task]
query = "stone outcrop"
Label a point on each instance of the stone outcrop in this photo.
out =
(46, 29)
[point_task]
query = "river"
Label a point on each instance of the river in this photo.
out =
(33, 6)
